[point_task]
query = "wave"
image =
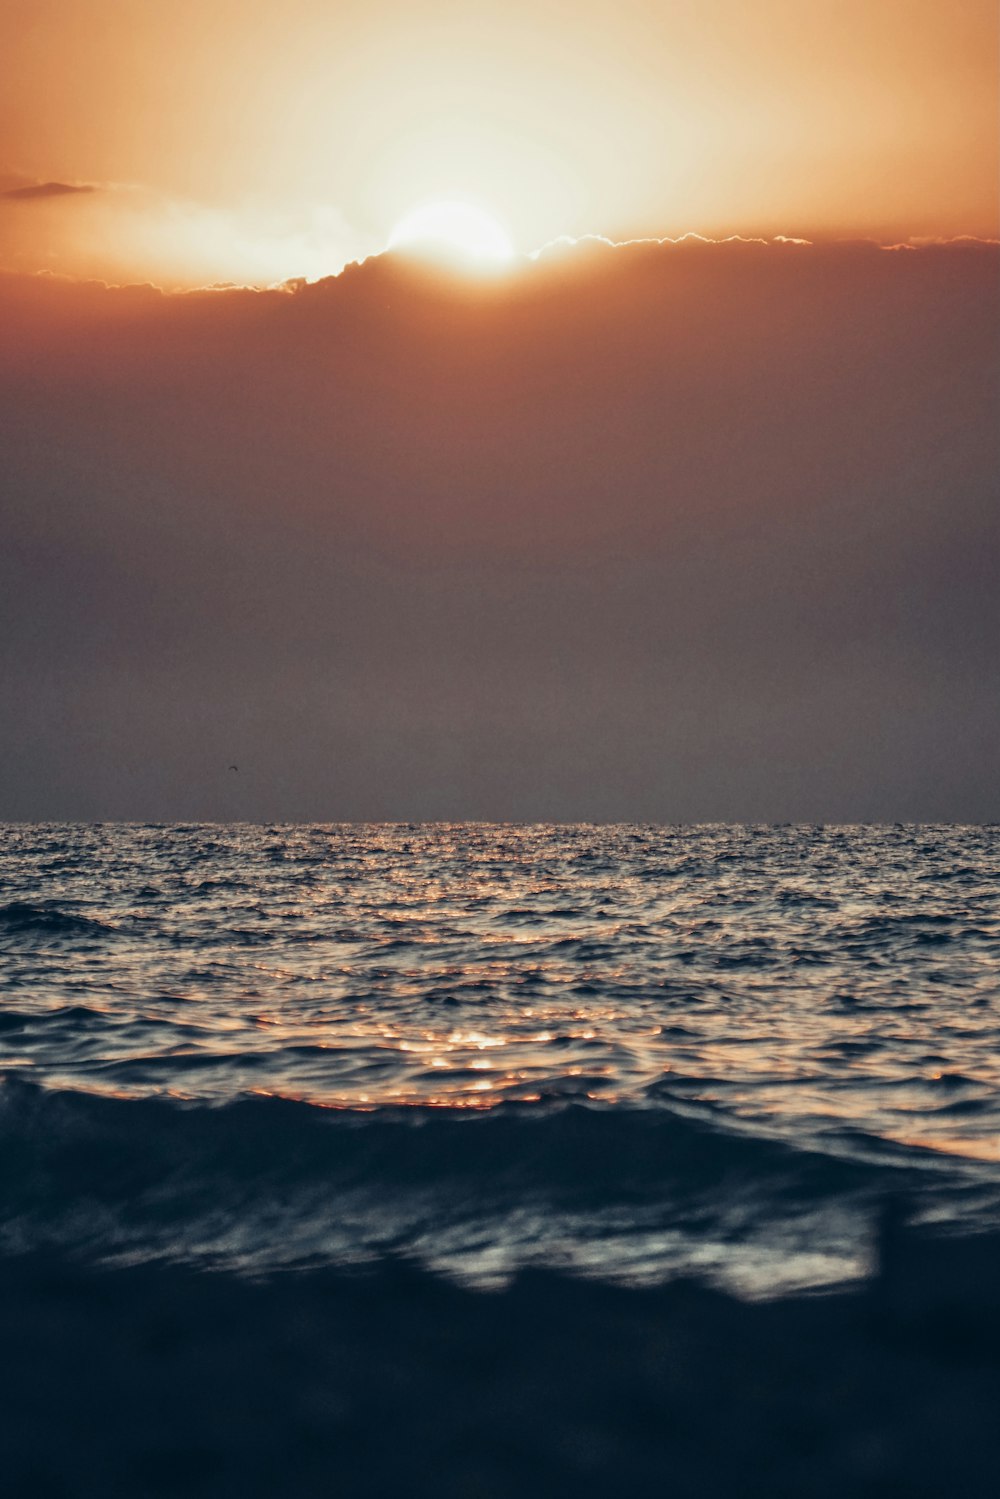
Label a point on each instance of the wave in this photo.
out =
(264, 1181)
(42, 919)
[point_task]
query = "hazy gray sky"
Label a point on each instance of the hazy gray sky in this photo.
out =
(655, 533)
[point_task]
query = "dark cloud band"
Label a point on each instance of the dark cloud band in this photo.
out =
(36, 191)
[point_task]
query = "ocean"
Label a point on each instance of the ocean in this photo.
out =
(634, 1053)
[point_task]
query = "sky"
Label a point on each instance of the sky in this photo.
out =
(686, 510)
(225, 141)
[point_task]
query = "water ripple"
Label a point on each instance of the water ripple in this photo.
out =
(800, 980)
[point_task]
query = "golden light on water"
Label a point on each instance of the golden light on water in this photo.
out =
(444, 974)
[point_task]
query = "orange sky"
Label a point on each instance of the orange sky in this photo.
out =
(254, 143)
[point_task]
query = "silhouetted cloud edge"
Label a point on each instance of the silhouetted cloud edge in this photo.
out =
(296, 285)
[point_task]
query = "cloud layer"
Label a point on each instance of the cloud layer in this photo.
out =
(664, 531)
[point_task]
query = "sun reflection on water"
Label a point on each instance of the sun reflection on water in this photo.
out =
(778, 977)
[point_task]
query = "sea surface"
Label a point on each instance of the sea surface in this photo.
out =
(631, 1051)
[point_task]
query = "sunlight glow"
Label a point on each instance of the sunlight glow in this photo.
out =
(453, 231)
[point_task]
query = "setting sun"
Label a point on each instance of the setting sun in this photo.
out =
(453, 231)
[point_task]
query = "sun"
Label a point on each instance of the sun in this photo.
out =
(453, 231)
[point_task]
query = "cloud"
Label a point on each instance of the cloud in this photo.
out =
(974, 241)
(121, 232)
(675, 532)
(565, 242)
(35, 191)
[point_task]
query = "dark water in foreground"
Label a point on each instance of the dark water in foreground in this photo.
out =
(629, 1050)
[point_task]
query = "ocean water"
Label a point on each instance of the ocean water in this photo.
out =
(633, 1051)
